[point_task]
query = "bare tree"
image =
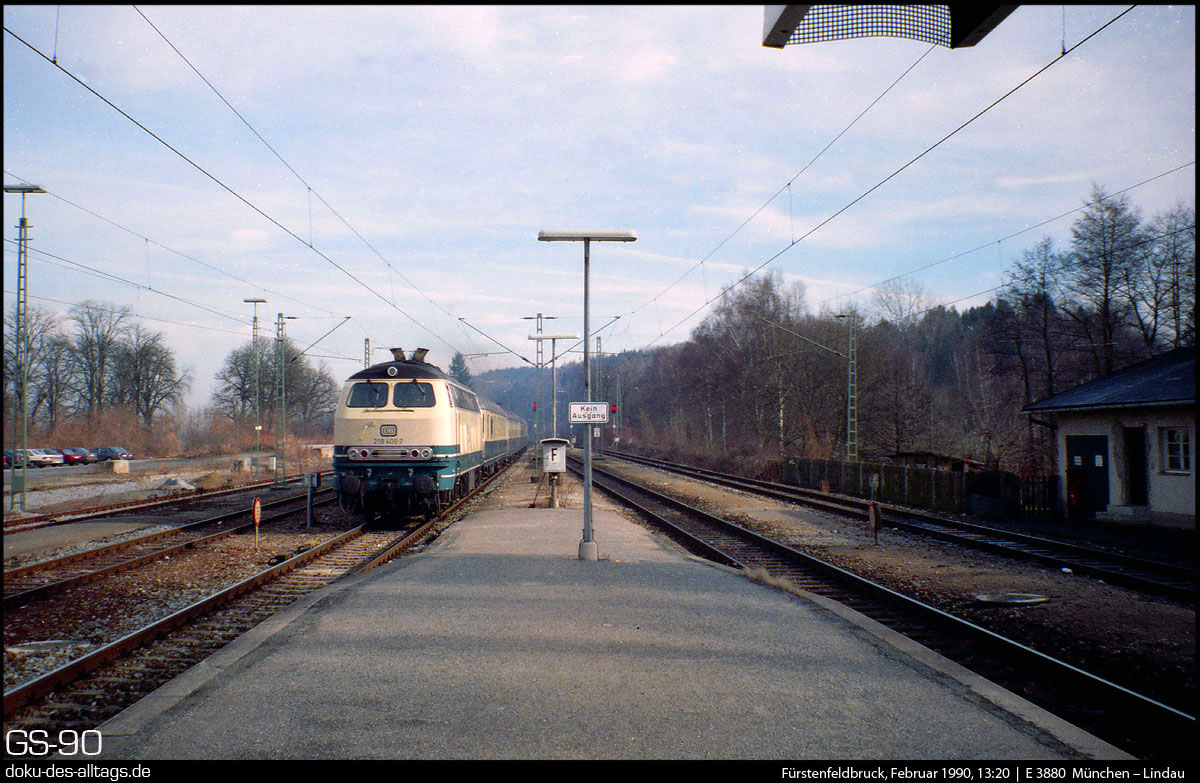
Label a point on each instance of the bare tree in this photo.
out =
(1104, 247)
(310, 393)
(94, 340)
(144, 375)
(901, 301)
(43, 366)
(1034, 328)
(1162, 282)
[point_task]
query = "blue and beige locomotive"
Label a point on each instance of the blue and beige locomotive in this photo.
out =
(408, 439)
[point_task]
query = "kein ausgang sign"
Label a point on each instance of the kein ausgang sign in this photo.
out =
(589, 412)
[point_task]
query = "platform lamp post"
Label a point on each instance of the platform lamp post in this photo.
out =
(553, 338)
(587, 547)
(257, 383)
(280, 481)
(21, 381)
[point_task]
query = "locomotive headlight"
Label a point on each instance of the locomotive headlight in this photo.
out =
(355, 454)
(426, 453)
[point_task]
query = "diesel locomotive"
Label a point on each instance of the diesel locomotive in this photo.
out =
(408, 439)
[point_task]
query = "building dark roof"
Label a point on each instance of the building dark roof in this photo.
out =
(1166, 379)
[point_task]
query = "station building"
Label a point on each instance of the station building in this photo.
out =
(1126, 442)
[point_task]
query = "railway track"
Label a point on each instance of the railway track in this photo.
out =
(45, 578)
(1150, 576)
(1140, 725)
(88, 690)
(100, 512)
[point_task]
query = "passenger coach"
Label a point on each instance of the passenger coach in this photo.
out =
(409, 439)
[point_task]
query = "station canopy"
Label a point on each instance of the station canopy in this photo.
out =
(954, 25)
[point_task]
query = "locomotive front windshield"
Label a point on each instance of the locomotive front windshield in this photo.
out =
(413, 395)
(375, 395)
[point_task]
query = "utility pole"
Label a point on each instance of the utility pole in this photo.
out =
(620, 412)
(257, 384)
(538, 428)
(281, 398)
(851, 397)
(21, 381)
(851, 383)
(600, 394)
(553, 338)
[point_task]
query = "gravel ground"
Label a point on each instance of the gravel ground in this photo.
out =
(48, 633)
(1125, 636)
(1143, 641)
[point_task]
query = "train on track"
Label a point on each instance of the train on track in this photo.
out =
(408, 439)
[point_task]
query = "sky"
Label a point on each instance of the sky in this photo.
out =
(381, 173)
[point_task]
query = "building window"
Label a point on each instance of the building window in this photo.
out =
(1177, 450)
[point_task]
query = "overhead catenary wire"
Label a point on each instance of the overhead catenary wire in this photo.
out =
(1007, 237)
(310, 191)
(179, 253)
(352, 266)
(897, 172)
(227, 188)
(119, 279)
(788, 186)
(140, 317)
(1015, 280)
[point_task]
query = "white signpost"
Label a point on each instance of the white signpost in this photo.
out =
(589, 412)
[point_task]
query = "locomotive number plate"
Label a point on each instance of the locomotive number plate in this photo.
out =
(387, 430)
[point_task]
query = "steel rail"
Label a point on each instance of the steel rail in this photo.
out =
(25, 693)
(22, 596)
(33, 689)
(1067, 683)
(419, 534)
(51, 520)
(1166, 579)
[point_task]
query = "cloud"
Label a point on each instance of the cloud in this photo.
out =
(252, 238)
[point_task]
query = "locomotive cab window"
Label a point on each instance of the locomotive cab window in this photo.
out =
(412, 394)
(463, 399)
(367, 395)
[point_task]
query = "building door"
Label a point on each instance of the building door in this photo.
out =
(1136, 480)
(1087, 475)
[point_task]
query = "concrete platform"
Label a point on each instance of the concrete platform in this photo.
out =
(497, 642)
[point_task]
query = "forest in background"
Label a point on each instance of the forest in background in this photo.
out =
(762, 375)
(765, 376)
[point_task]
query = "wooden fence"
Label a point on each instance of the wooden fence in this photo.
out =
(990, 494)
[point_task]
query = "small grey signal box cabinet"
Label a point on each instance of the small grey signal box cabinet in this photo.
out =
(554, 455)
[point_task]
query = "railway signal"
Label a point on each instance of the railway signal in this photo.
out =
(257, 512)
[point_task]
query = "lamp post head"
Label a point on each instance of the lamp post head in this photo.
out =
(594, 236)
(23, 189)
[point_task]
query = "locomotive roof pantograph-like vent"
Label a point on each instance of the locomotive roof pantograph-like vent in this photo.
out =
(398, 354)
(419, 354)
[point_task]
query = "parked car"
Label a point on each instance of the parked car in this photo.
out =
(76, 455)
(60, 453)
(8, 459)
(44, 458)
(112, 452)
